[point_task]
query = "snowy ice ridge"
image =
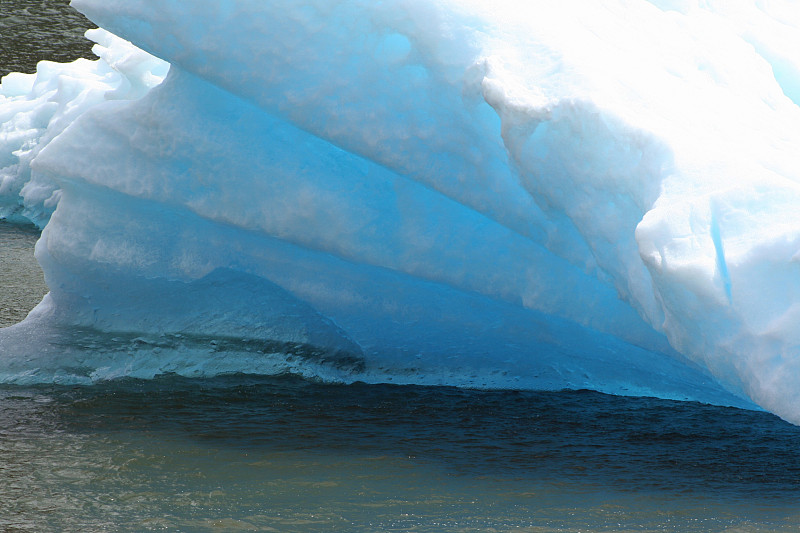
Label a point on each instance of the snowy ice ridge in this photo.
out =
(535, 194)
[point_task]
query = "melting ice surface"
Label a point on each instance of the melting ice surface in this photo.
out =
(507, 194)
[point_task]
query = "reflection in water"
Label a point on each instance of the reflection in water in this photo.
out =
(242, 453)
(21, 280)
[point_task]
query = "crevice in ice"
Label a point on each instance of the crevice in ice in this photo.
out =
(594, 172)
(722, 265)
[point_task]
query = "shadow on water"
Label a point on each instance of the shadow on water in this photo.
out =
(582, 436)
(241, 453)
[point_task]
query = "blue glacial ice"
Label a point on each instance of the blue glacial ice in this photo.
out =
(524, 194)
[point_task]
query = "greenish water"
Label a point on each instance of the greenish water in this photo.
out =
(245, 453)
(22, 283)
(249, 453)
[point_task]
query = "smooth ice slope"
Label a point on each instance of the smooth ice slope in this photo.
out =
(532, 194)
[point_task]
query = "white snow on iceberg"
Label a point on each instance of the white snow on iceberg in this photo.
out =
(521, 195)
(36, 108)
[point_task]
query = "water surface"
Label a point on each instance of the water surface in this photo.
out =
(247, 453)
(22, 283)
(35, 30)
(244, 453)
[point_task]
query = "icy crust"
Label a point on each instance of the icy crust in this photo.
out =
(36, 108)
(381, 287)
(540, 194)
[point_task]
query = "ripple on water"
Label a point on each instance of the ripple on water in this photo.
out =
(36, 30)
(240, 453)
(23, 283)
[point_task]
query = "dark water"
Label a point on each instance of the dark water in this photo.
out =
(242, 453)
(628, 443)
(35, 30)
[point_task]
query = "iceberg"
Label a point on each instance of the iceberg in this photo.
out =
(522, 195)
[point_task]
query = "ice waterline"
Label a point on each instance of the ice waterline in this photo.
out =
(524, 196)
